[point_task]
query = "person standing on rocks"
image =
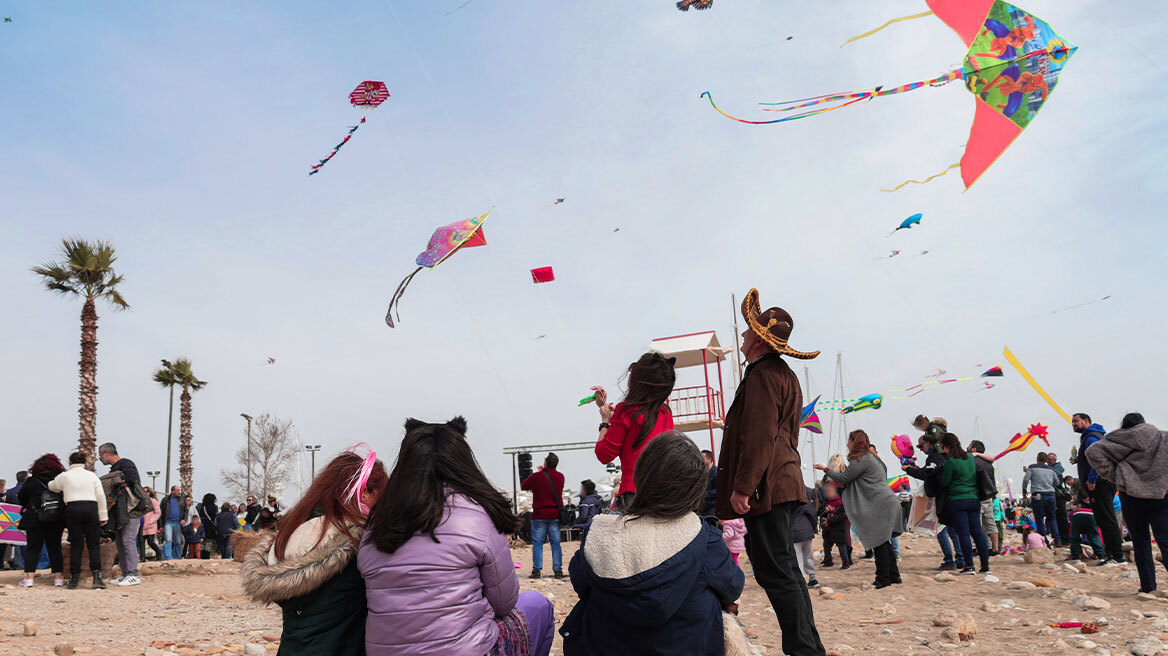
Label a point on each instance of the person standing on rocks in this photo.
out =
(1041, 481)
(1135, 458)
(1102, 491)
(85, 514)
(127, 534)
(759, 475)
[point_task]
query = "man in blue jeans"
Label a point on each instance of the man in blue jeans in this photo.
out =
(547, 492)
(1041, 481)
(174, 510)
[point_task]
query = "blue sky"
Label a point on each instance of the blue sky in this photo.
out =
(183, 133)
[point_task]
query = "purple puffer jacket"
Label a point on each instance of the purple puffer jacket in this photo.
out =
(439, 598)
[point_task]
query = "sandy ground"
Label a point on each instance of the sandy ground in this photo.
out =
(198, 607)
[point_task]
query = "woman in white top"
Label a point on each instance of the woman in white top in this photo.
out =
(85, 514)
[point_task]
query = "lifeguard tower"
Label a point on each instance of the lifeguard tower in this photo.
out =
(702, 407)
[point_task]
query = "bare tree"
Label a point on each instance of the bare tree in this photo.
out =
(274, 450)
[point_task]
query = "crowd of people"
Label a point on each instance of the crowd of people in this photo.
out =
(416, 559)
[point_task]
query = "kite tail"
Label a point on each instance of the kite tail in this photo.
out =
(894, 20)
(397, 294)
(352, 128)
(937, 175)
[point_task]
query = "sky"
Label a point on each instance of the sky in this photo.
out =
(183, 132)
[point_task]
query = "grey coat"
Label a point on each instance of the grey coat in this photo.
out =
(1135, 459)
(871, 505)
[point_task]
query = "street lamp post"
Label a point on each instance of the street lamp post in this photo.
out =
(153, 478)
(312, 448)
(169, 425)
(248, 418)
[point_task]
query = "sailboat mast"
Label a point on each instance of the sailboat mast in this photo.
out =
(810, 435)
(737, 347)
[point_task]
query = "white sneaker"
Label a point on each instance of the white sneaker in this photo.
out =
(129, 580)
(26, 583)
(118, 580)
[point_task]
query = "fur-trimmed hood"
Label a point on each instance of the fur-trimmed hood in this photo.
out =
(267, 581)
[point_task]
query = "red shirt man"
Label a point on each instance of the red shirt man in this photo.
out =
(545, 498)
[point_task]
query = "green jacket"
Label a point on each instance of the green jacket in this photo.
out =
(960, 477)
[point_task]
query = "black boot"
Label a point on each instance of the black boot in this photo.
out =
(98, 584)
(74, 579)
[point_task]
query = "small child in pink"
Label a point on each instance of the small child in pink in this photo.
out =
(1031, 539)
(734, 533)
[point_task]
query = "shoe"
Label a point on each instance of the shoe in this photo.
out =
(846, 566)
(984, 570)
(129, 580)
(968, 571)
(868, 555)
(947, 567)
(827, 563)
(559, 574)
(880, 584)
(59, 582)
(26, 583)
(74, 579)
(98, 584)
(812, 584)
(117, 580)
(534, 574)
(1109, 561)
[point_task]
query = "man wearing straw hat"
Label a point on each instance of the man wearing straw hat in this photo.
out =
(759, 473)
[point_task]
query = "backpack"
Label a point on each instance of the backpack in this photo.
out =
(50, 507)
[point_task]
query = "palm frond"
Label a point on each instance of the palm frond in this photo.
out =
(86, 269)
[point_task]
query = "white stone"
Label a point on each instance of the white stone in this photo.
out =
(1020, 585)
(990, 578)
(1149, 647)
(253, 649)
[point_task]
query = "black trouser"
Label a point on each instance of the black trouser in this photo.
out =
(1061, 517)
(845, 553)
(152, 542)
(47, 537)
(886, 569)
(772, 554)
(84, 531)
(1139, 515)
(1103, 504)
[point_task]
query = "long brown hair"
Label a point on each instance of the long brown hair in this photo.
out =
(858, 445)
(951, 441)
(323, 498)
(671, 478)
(651, 380)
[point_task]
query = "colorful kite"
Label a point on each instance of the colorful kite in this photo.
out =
(1012, 65)
(369, 93)
(865, 402)
(908, 223)
(1034, 383)
(1022, 440)
(9, 520)
(445, 241)
(918, 388)
(700, 5)
(903, 449)
(810, 420)
(542, 274)
(898, 483)
(558, 201)
(940, 372)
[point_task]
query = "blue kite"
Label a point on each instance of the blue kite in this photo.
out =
(908, 223)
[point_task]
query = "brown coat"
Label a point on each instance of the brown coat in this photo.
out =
(760, 444)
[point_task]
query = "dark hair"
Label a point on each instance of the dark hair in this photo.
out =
(951, 441)
(76, 458)
(1083, 415)
(21, 476)
(919, 419)
(651, 380)
(976, 446)
(434, 462)
(226, 507)
(1129, 420)
(552, 460)
(670, 478)
(47, 464)
(707, 452)
(325, 498)
(1041, 457)
(861, 445)
(209, 499)
(588, 485)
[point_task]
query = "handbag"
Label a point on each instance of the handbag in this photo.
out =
(565, 514)
(986, 488)
(51, 507)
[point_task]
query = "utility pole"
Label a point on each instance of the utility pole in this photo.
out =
(248, 418)
(169, 426)
(312, 448)
(737, 347)
(807, 382)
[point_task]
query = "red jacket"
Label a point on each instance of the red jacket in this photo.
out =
(545, 502)
(618, 441)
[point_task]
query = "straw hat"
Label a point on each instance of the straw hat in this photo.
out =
(773, 326)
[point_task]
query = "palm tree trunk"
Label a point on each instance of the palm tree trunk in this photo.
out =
(185, 468)
(88, 407)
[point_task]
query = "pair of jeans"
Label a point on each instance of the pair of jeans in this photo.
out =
(1139, 515)
(546, 530)
(225, 547)
(805, 553)
(947, 538)
(127, 541)
(887, 571)
(1044, 507)
(171, 535)
(1062, 519)
(895, 547)
(770, 545)
(50, 537)
(1085, 530)
(1103, 504)
(84, 526)
(966, 517)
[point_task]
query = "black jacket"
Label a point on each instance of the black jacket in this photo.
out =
(164, 508)
(988, 467)
(253, 513)
(711, 491)
(29, 498)
(207, 513)
(226, 523)
(930, 473)
(805, 520)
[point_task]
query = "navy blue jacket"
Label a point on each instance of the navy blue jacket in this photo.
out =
(805, 520)
(673, 608)
(590, 506)
(1087, 473)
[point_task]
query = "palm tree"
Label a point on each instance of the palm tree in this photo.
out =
(180, 373)
(86, 270)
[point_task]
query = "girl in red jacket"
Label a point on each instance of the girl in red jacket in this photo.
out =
(643, 415)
